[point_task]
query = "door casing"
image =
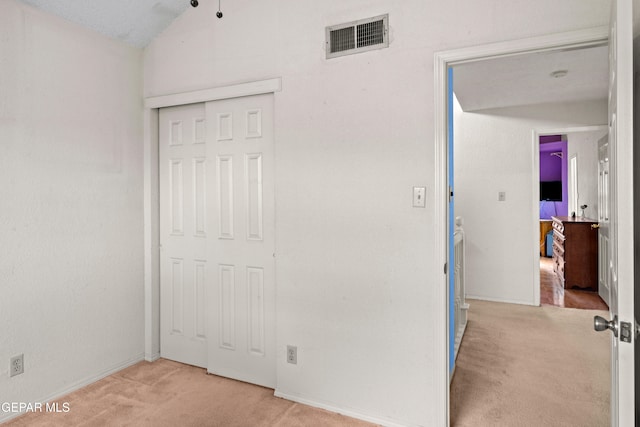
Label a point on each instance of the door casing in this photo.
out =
(151, 191)
(442, 61)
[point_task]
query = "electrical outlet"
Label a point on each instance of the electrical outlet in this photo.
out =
(16, 365)
(292, 354)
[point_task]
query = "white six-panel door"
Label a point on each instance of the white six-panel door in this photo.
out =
(603, 219)
(184, 259)
(621, 247)
(218, 237)
(241, 204)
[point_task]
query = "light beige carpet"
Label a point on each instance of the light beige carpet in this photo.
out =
(518, 366)
(531, 366)
(166, 393)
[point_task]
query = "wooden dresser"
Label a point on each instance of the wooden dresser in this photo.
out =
(575, 252)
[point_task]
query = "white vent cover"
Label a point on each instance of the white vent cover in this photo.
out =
(357, 36)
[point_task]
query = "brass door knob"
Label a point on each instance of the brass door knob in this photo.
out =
(594, 226)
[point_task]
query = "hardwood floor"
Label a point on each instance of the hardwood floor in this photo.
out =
(552, 292)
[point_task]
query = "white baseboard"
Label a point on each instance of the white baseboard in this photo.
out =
(342, 411)
(508, 301)
(79, 384)
(151, 357)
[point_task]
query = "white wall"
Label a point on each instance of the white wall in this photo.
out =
(355, 270)
(584, 145)
(71, 224)
(494, 152)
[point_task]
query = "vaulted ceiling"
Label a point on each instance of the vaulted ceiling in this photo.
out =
(135, 22)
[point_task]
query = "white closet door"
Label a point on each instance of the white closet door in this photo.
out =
(240, 150)
(185, 267)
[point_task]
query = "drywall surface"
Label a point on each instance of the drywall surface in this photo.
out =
(584, 145)
(355, 265)
(71, 227)
(494, 152)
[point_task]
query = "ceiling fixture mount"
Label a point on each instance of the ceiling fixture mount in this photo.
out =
(559, 74)
(219, 13)
(194, 3)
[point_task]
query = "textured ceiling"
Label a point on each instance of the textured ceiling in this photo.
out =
(135, 22)
(526, 79)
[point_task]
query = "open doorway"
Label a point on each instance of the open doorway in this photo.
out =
(569, 218)
(501, 105)
(497, 191)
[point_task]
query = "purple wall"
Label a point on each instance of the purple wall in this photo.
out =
(550, 138)
(554, 168)
(551, 166)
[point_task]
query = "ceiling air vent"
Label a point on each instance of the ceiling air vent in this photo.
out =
(357, 36)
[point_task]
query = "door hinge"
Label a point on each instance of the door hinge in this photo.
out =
(450, 194)
(625, 331)
(445, 268)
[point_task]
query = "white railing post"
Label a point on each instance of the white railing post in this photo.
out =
(460, 305)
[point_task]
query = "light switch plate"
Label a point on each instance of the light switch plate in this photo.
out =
(502, 196)
(419, 195)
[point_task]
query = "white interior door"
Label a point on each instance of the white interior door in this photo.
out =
(184, 267)
(621, 257)
(573, 184)
(240, 150)
(604, 288)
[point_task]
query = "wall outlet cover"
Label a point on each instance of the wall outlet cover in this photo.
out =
(16, 365)
(292, 354)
